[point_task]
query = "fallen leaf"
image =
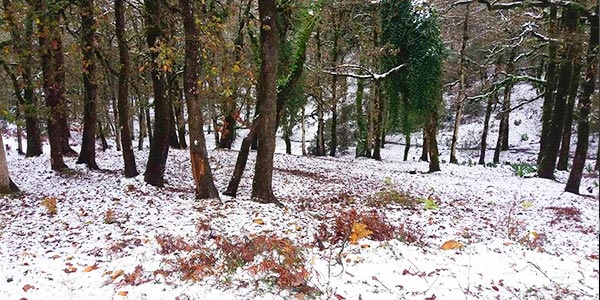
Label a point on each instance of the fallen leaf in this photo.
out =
(507, 243)
(365, 246)
(340, 297)
(123, 293)
(90, 268)
(116, 274)
(359, 231)
(70, 269)
(27, 287)
(451, 245)
(258, 221)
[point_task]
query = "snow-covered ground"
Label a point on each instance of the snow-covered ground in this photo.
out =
(116, 238)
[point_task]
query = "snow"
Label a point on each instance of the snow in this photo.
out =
(516, 245)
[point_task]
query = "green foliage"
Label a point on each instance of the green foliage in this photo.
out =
(429, 204)
(523, 169)
(411, 36)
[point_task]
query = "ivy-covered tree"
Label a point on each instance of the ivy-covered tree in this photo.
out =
(411, 33)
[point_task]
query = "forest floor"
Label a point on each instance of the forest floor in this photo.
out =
(350, 229)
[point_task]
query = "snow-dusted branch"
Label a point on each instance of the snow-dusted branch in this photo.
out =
(361, 72)
(525, 102)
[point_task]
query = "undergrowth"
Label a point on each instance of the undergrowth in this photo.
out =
(275, 261)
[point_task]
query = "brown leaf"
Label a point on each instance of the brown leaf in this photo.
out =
(116, 274)
(258, 221)
(70, 269)
(451, 245)
(123, 293)
(27, 287)
(340, 297)
(90, 268)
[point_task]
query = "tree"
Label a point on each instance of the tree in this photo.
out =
(49, 36)
(462, 83)
(24, 88)
(412, 32)
(262, 184)
(6, 184)
(203, 179)
(159, 147)
(547, 163)
(583, 128)
(123, 92)
(88, 145)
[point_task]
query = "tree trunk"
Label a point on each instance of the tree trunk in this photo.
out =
(486, 125)
(159, 148)
(49, 37)
(63, 111)
(461, 93)
(23, 46)
(242, 159)
(203, 178)
(407, 146)
(173, 96)
(303, 130)
(179, 117)
(361, 123)
(6, 184)
(148, 124)
(320, 151)
(425, 152)
(142, 125)
(334, 57)
(102, 137)
(378, 122)
(123, 92)
(117, 118)
(565, 147)
(87, 154)
(550, 86)
(262, 184)
(434, 162)
(550, 153)
(583, 128)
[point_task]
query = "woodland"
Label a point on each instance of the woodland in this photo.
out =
(278, 149)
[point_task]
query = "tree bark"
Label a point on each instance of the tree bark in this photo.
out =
(407, 146)
(550, 153)
(87, 154)
(334, 117)
(486, 125)
(203, 178)
(159, 147)
(262, 184)
(303, 131)
(178, 114)
(550, 86)
(378, 122)
(63, 112)
(583, 128)
(425, 152)
(49, 37)
(123, 92)
(461, 94)
(242, 159)
(23, 46)
(434, 161)
(565, 147)
(117, 118)
(361, 144)
(6, 184)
